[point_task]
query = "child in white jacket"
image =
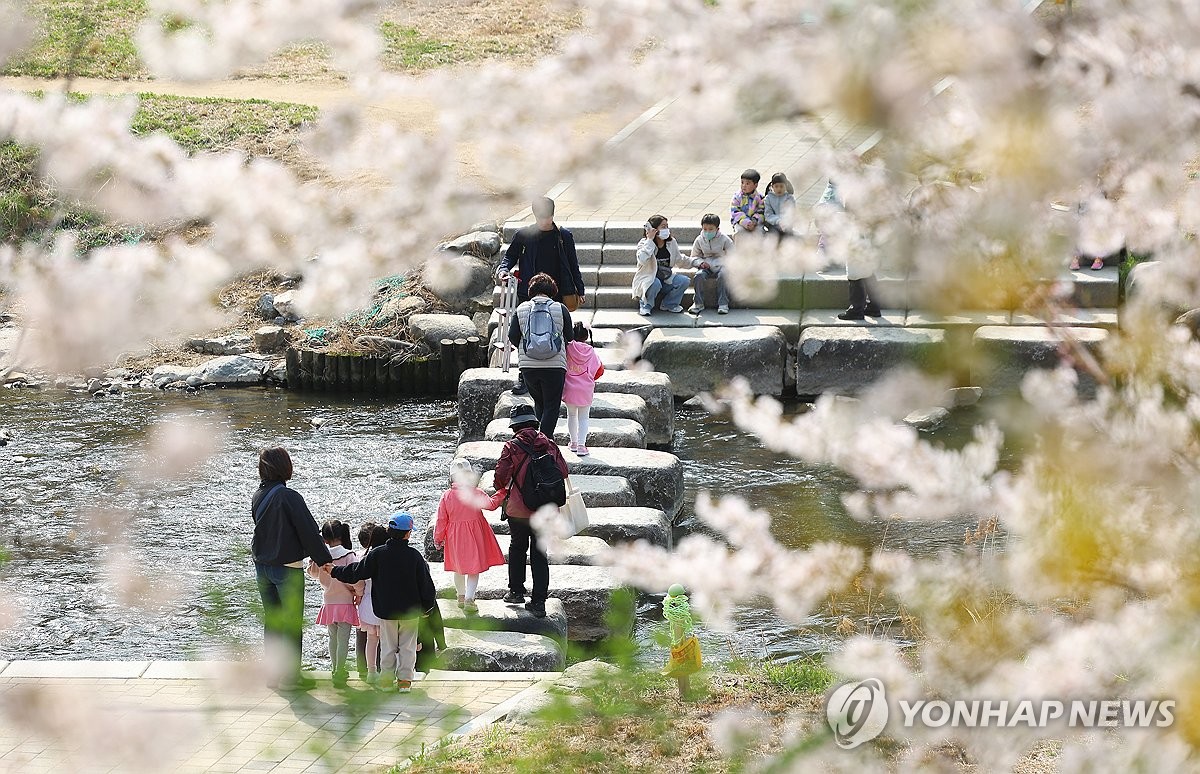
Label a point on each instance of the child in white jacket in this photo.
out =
(708, 252)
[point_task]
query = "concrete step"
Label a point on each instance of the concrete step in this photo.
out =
(614, 525)
(484, 651)
(605, 405)
(597, 491)
(656, 477)
(633, 230)
(585, 592)
(624, 433)
(496, 616)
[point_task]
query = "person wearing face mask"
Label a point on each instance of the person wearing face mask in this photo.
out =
(708, 251)
(655, 280)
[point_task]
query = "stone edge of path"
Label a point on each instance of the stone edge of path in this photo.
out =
(206, 670)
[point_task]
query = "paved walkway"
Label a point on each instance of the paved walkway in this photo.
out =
(202, 716)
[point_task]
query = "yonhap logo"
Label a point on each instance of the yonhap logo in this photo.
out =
(857, 712)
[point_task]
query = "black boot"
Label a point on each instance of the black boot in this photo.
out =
(852, 314)
(873, 310)
(520, 388)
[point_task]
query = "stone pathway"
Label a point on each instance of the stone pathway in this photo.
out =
(204, 716)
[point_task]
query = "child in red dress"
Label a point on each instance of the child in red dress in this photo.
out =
(471, 548)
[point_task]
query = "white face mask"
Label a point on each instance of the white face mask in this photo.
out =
(664, 233)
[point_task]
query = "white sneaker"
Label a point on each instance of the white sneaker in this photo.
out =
(644, 311)
(696, 309)
(722, 310)
(673, 309)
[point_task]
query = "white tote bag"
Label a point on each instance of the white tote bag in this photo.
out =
(574, 511)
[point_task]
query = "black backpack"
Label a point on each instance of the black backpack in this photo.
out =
(543, 480)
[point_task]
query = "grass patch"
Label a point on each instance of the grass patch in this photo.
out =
(804, 676)
(88, 38)
(31, 207)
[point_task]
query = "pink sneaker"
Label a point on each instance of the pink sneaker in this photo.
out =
(582, 451)
(571, 446)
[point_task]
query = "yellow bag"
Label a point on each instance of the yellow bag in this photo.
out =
(685, 658)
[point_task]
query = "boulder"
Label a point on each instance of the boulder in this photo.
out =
(285, 306)
(459, 279)
(265, 308)
(702, 359)
(927, 419)
(166, 374)
(605, 405)
(233, 370)
(269, 338)
(613, 525)
(496, 616)
(432, 328)
(597, 491)
(847, 359)
(585, 592)
(482, 244)
(1004, 354)
(583, 675)
(602, 432)
(478, 391)
(654, 388)
(234, 344)
(481, 651)
(656, 477)
(1142, 277)
(278, 372)
(527, 706)
(400, 307)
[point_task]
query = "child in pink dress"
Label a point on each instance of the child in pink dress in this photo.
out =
(583, 369)
(471, 547)
(339, 613)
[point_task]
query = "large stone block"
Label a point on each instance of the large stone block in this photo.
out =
(847, 359)
(483, 651)
(597, 491)
(614, 525)
(585, 592)
(605, 405)
(601, 432)
(580, 549)
(1003, 355)
(652, 387)
(496, 616)
(701, 359)
(432, 328)
(478, 391)
(656, 477)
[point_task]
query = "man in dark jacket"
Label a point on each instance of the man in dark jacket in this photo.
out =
(285, 532)
(540, 248)
(511, 470)
(401, 592)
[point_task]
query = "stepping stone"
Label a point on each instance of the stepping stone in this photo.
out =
(601, 432)
(828, 318)
(703, 359)
(656, 477)
(830, 290)
(586, 594)
(847, 359)
(579, 549)
(786, 320)
(1005, 355)
(1085, 318)
(481, 651)
(652, 387)
(497, 616)
(605, 405)
(598, 491)
(613, 525)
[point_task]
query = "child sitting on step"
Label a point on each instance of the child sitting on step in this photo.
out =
(470, 545)
(708, 251)
(583, 369)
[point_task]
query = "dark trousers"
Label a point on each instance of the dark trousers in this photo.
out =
(524, 541)
(546, 388)
(282, 592)
(862, 294)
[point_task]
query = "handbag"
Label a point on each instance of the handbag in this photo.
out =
(574, 510)
(571, 302)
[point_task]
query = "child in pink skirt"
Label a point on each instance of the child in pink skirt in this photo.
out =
(339, 612)
(471, 547)
(583, 369)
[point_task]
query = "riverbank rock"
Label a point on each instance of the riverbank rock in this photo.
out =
(656, 477)
(480, 651)
(285, 306)
(845, 359)
(497, 616)
(232, 370)
(234, 344)
(168, 374)
(482, 244)
(461, 281)
(1004, 354)
(585, 592)
(265, 308)
(400, 307)
(432, 328)
(269, 338)
(702, 359)
(602, 432)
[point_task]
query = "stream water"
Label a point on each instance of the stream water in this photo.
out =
(65, 481)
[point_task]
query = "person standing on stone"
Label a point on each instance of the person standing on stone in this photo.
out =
(545, 248)
(655, 279)
(860, 267)
(285, 532)
(583, 369)
(463, 530)
(512, 471)
(540, 331)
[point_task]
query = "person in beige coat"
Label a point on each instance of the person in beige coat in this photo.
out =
(657, 257)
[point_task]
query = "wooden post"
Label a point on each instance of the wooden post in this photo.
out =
(331, 373)
(370, 383)
(292, 360)
(343, 374)
(476, 355)
(355, 383)
(383, 377)
(319, 383)
(445, 363)
(306, 369)
(398, 374)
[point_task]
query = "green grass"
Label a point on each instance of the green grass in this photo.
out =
(87, 38)
(405, 48)
(30, 208)
(804, 676)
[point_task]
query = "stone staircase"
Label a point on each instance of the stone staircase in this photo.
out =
(699, 353)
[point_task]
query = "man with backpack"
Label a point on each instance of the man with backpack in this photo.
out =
(540, 330)
(533, 470)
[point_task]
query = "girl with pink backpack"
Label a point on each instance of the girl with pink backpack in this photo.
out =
(583, 369)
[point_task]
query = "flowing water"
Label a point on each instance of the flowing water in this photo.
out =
(174, 580)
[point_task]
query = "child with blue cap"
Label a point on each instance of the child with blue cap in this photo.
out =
(401, 592)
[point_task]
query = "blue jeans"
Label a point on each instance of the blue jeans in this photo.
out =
(698, 286)
(672, 292)
(282, 593)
